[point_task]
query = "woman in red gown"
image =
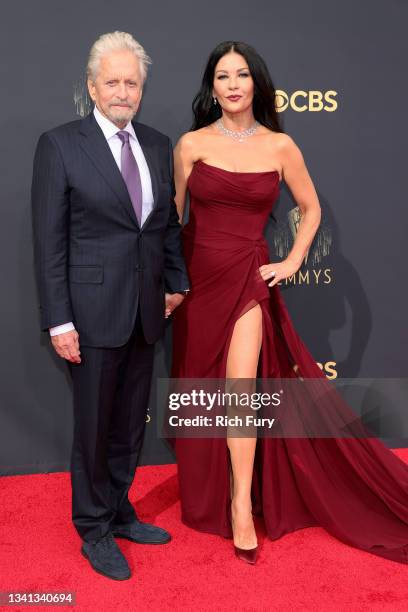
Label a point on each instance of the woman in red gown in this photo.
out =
(234, 325)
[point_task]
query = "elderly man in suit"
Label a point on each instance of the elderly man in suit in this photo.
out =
(110, 269)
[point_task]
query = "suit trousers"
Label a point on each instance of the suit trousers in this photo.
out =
(111, 393)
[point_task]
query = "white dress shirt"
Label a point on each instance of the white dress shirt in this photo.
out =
(110, 131)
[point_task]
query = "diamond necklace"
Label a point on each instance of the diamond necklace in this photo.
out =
(238, 136)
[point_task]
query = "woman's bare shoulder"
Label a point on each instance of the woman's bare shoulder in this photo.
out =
(190, 142)
(281, 142)
(185, 145)
(278, 139)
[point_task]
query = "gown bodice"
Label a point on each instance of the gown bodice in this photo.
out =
(227, 202)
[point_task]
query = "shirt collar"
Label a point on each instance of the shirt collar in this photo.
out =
(108, 128)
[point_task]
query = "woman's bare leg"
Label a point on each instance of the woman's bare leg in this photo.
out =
(242, 362)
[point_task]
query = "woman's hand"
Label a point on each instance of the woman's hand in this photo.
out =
(278, 271)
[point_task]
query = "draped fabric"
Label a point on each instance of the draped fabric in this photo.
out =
(355, 488)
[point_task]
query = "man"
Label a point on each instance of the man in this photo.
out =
(107, 247)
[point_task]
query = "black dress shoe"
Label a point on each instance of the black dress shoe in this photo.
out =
(106, 558)
(142, 533)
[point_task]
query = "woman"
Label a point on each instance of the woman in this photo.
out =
(234, 325)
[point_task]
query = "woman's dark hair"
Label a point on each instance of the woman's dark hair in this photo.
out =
(204, 109)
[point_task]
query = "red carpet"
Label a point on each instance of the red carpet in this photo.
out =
(305, 570)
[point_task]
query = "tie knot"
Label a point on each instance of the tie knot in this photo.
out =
(124, 136)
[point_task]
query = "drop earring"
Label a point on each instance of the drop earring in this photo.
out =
(215, 101)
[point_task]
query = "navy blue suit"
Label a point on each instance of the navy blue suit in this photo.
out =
(97, 268)
(94, 264)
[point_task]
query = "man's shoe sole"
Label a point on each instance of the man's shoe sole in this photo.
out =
(100, 571)
(124, 537)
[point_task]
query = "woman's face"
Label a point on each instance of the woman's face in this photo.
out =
(233, 85)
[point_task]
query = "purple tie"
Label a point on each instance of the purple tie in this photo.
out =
(131, 175)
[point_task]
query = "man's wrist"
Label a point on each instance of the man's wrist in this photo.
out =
(61, 329)
(180, 292)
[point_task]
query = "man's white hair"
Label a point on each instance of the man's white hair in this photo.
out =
(116, 41)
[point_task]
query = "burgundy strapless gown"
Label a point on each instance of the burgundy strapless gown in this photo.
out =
(356, 489)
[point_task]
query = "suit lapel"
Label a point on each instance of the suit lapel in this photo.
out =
(96, 147)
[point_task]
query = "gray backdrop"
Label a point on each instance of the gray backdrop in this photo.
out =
(350, 305)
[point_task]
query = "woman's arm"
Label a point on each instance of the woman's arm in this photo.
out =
(297, 178)
(183, 165)
(301, 185)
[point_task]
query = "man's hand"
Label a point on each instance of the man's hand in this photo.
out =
(67, 346)
(172, 301)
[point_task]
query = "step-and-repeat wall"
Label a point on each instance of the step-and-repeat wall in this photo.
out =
(340, 72)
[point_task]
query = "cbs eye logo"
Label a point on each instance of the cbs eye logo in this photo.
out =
(301, 101)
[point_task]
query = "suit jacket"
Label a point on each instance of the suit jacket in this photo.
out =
(94, 264)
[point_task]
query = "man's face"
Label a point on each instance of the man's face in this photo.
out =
(117, 89)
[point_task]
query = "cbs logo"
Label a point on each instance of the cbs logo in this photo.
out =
(329, 368)
(301, 101)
